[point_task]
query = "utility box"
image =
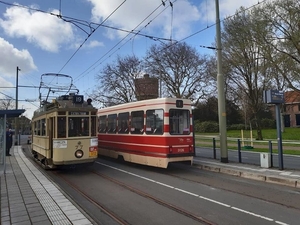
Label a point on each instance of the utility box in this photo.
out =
(265, 160)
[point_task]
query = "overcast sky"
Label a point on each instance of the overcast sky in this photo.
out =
(44, 36)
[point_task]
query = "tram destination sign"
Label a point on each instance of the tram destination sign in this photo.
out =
(273, 97)
(78, 113)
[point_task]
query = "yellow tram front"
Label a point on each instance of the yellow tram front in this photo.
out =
(65, 132)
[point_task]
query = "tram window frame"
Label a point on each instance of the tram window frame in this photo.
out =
(137, 122)
(94, 125)
(112, 123)
(102, 124)
(179, 121)
(38, 128)
(123, 123)
(75, 128)
(43, 127)
(61, 127)
(155, 121)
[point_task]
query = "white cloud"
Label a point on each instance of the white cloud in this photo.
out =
(44, 30)
(132, 13)
(88, 45)
(11, 57)
(226, 8)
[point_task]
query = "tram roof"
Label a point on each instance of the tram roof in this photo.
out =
(11, 112)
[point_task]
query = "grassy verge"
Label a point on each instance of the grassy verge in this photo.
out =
(290, 140)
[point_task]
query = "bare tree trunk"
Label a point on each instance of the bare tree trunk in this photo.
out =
(258, 129)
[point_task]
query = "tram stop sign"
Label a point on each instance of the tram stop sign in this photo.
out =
(3, 115)
(273, 97)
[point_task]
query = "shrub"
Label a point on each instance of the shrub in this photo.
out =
(206, 127)
(268, 123)
(236, 127)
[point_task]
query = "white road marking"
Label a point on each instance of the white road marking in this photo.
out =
(195, 195)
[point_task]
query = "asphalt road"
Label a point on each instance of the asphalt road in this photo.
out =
(145, 195)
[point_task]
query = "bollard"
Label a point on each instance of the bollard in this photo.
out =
(214, 148)
(271, 153)
(239, 150)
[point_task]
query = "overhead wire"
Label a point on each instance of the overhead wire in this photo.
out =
(91, 35)
(84, 73)
(75, 22)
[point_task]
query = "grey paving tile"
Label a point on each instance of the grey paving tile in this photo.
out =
(30, 200)
(39, 218)
(19, 213)
(42, 223)
(26, 222)
(19, 219)
(5, 212)
(37, 213)
(5, 218)
(5, 223)
(17, 209)
(33, 205)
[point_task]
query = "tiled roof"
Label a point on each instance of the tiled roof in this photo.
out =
(292, 96)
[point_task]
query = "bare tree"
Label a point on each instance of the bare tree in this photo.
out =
(249, 69)
(7, 103)
(116, 81)
(283, 18)
(181, 70)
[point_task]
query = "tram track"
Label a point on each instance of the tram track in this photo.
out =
(157, 200)
(117, 218)
(100, 206)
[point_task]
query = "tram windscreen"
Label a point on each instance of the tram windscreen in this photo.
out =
(61, 127)
(179, 121)
(78, 126)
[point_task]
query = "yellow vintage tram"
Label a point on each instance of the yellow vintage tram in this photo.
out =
(64, 132)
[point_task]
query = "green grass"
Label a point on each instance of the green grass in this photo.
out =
(268, 134)
(289, 135)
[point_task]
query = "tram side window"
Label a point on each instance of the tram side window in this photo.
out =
(123, 123)
(94, 125)
(154, 121)
(43, 127)
(112, 123)
(137, 122)
(102, 124)
(61, 127)
(38, 127)
(78, 126)
(179, 121)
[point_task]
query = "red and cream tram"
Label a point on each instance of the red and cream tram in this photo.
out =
(152, 132)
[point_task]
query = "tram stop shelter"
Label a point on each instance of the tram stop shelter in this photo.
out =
(4, 114)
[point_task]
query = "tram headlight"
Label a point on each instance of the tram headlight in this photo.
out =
(79, 154)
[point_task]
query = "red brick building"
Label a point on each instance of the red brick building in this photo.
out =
(291, 109)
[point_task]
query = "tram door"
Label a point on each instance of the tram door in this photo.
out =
(51, 134)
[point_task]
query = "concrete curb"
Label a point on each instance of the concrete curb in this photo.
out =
(251, 175)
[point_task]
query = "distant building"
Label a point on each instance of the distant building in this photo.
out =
(146, 88)
(291, 109)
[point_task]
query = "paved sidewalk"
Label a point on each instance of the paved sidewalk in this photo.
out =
(284, 177)
(28, 197)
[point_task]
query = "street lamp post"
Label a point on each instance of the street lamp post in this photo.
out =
(17, 141)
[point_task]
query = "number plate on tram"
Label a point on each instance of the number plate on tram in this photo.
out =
(93, 151)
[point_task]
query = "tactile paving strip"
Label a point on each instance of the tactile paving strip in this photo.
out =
(57, 207)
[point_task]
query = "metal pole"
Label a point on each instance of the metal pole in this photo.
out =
(214, 148)
(271, 152)
(239, 150)
(4, 150)
(279, 138)
(221, 90)
(17, 119)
